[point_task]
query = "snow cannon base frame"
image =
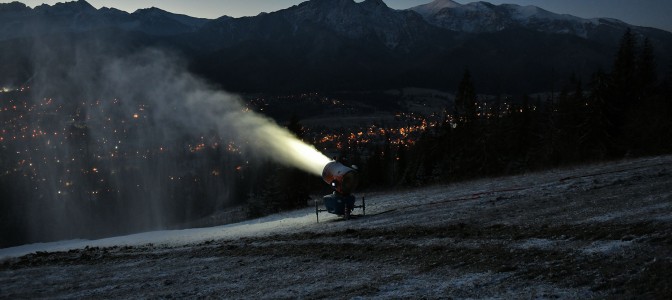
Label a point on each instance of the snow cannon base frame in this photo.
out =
(340, 205)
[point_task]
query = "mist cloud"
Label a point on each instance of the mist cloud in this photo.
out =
(133, 141)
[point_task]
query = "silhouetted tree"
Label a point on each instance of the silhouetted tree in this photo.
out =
(424, 157)
(595, 139)
(295, 183)
(519, 136)
(295, 127)
(465, 99)
(400, 164)
(622, 90)
(646, 69)
(281, 187)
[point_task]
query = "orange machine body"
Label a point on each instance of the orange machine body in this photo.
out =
(341, 178)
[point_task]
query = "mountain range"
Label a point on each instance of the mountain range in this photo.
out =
(339, 44)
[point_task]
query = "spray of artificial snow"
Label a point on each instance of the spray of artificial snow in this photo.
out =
(188, 102)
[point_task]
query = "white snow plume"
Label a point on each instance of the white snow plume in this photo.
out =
(133, 142)
(188, 102)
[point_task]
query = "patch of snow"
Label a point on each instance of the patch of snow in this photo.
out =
(188, 269)
(430, 206)
(661, 208)
(530, 11)
(434, 7)
(606, 247)
(543, 244)
(470, 280)
(280, 223)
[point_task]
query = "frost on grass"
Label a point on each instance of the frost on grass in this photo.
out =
(596, 231)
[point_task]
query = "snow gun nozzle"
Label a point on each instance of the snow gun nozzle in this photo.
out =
(341, 178)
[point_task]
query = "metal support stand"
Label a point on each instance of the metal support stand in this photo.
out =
(347, 212)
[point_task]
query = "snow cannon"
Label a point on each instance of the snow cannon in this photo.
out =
(343, 180)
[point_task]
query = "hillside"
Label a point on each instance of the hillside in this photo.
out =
(595, 231)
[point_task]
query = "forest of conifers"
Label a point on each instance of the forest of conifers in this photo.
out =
(623, 113)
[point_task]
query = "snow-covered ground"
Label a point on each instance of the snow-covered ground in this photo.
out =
(595, 231)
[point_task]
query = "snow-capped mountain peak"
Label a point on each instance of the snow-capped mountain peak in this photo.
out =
(486, 17)
(435, 7)
(357, 19)
(533, 12)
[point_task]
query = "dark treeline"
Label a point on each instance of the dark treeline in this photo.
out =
(624, 113)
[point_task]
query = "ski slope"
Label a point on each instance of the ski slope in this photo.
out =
(592, 231)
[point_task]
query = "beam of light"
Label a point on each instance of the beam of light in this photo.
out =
(265, 137)
(284, 147)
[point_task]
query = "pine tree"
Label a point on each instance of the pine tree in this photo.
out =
(651, 122)
(283, 188)
(646, 69)
(465, 99)
(595, 139)
(469, 137)
(524, 125)
(623, 73)
(567, 125)
(295, 127)
(296, 181)
(622, 92)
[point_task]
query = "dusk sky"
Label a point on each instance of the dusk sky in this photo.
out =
(653, 13)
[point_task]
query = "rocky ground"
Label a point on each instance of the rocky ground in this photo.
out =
(598, 231)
